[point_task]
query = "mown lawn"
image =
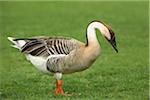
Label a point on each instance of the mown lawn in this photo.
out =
(122, 76)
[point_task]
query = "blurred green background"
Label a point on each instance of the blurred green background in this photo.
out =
(122, 76)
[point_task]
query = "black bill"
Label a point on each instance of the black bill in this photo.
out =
(113, 43)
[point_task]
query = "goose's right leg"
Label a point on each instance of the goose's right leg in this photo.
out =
(58, 89)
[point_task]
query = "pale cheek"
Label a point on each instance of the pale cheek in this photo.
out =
(106, 33)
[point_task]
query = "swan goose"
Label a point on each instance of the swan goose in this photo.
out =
(63, 55)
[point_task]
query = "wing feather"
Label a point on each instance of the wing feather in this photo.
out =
(43, 46)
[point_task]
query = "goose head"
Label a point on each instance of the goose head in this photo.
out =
(104, 29)
(110, 36)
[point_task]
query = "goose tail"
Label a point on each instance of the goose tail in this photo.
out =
(17, 43)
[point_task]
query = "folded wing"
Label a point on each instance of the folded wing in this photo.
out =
(43, 46)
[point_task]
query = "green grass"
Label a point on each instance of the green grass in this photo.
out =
(113, 76)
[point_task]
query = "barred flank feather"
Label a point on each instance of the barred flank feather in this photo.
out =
(54, 63)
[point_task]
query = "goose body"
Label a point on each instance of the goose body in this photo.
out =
(63, 55)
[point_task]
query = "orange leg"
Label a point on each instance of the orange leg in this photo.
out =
(59, 89)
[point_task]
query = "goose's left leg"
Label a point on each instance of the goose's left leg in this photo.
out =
(58, 89)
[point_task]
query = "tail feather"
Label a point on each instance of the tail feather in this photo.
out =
(17, 43)
(15, 46)
(11, 39)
